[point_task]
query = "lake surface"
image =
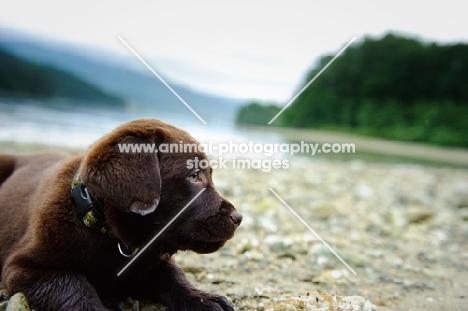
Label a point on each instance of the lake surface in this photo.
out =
(73, 125)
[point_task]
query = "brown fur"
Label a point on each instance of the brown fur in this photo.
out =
(60, 264)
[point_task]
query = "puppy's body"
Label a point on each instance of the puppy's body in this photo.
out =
(60, 264)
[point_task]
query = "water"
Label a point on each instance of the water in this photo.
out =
(73, 125)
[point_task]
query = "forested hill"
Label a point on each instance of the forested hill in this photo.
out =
(393, 87)
(20, 78)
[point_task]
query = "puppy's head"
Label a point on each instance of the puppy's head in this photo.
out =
(144, 189)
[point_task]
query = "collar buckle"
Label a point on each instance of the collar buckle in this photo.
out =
(85, 207)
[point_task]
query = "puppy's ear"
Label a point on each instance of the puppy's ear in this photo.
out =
(131, 180)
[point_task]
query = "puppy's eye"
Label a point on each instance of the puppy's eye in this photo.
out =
(195, 177)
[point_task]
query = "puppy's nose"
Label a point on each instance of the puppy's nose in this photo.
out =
(236, 218)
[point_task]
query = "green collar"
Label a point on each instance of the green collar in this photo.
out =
(86, 207)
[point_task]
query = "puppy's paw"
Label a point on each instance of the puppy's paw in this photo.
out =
(215, 303)
(201, 301)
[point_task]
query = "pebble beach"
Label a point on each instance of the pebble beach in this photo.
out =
(400, 232)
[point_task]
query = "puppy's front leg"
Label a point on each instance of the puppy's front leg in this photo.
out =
(169, 286)
(52, 290)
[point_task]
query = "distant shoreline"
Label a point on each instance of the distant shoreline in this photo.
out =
(419, 151)
(60, 102)
(17, 147)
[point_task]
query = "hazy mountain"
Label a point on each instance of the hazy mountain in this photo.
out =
(22, 79)
(104, 69)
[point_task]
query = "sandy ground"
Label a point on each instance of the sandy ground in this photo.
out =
(403, 229)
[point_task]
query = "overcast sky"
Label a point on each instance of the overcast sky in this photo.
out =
(247, 49)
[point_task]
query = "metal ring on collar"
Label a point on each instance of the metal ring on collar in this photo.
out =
(125, 254)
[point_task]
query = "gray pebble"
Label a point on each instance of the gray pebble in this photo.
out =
(18, 302)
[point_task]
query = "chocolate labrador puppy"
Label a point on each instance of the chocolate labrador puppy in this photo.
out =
(68, 225)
